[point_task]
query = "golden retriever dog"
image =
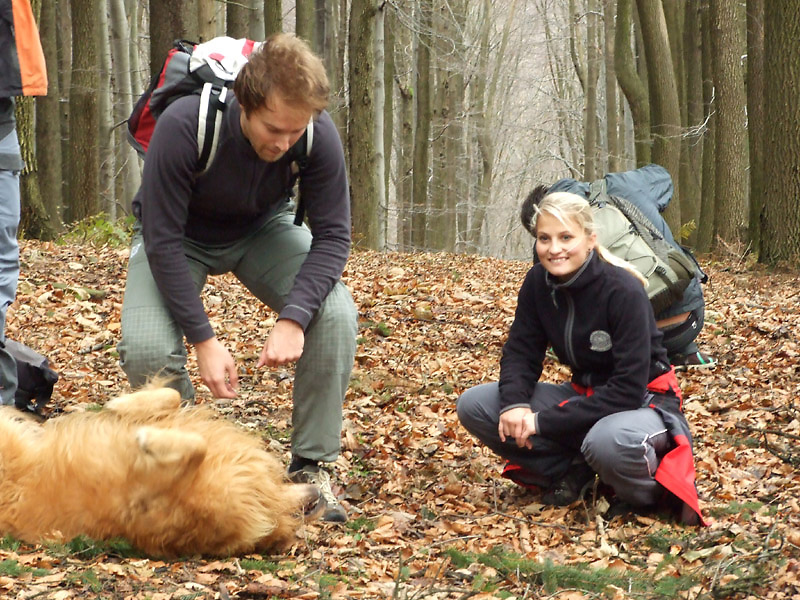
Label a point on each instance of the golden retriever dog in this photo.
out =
(173, 481)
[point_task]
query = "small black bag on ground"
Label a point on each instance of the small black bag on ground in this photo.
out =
(35, 378)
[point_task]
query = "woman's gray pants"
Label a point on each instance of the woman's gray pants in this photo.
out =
(624, 449)
(266, 262)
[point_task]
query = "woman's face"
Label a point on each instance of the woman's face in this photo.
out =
(562, 249)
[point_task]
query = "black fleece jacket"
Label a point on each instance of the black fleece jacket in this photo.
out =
(600, 324)
(236, 195)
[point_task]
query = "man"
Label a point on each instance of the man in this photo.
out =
(650, 188)
(22, 73)
(236, 217)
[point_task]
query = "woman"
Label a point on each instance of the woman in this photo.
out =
(620, 416)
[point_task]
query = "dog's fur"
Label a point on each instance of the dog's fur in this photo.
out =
(173, 481)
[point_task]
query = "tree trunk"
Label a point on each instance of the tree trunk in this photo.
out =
(437, 210)
(590, 124)
(333, 57)
(306, 22)
(245, 19)
(575, 50)
(632, 86)
(693, 60)
(706, 228)
(64, 39)
(405, 150)
(169, 20)
(780, 239)
(84, 123)
(756, 119)
(48, 126)
(674, 14)
(423, 129)
(665, 116)
(455, 146)
(483, 137)
(206, 19)
(376, 17)
(127, 161)
(613, 117)
(366, 182)
(106, 125)
(140, 77)
(273, 17)
(238, 15)
(728, 44)
(389, 24)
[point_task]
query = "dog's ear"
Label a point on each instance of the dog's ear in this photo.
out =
(178, 450)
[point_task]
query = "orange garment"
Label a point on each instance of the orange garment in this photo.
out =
(32, 76)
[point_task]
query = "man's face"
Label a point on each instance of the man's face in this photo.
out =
(274, 127)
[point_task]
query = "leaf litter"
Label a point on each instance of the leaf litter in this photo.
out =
(429, 515)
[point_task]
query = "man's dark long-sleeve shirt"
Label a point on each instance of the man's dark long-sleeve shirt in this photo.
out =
(236, 195)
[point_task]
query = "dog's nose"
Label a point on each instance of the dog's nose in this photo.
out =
(312, 501)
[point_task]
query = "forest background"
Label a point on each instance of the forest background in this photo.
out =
(450, 111)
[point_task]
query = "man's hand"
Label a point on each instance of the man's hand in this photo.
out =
(520, 424)
(217, 369)
(284, 344)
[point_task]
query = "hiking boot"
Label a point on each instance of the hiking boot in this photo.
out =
(561, 494)
(334, 512)
(695, 360)
(571, 488)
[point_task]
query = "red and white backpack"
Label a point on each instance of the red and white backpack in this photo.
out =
(208, 69)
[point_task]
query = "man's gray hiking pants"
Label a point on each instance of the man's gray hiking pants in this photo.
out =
(624, 449)
(266, 262)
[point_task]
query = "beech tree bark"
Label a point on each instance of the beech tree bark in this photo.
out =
(665, 116)
(631, 83)
(727, 39)
(48, 131)
(366, 174)
(756, 119)
(84, 180)
(780, 238)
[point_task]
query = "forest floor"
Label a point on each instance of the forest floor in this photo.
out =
(429, 515)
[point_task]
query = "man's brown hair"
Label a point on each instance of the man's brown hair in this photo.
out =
(286, 67)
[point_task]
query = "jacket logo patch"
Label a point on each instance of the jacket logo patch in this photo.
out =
(600, 341)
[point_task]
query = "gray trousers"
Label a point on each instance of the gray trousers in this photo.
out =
(624, 449)
(266, 262)
(9, 262)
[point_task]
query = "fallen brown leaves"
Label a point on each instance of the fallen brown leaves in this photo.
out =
(419, 489)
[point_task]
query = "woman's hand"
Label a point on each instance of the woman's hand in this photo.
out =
(519, 424)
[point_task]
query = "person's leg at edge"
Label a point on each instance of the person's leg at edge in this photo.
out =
(681, 345)
(9, 263)
(152, 343)
(548, 465)
(625, 450)
(322, 374)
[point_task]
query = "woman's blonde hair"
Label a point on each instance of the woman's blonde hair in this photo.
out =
(283, 66)
(566, 206)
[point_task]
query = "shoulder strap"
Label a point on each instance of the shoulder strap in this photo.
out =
(298, 166)
(212, 105)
